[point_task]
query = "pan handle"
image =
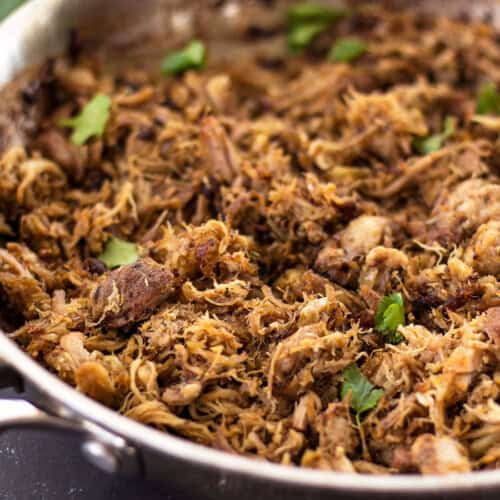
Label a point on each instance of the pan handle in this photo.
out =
(107, 451)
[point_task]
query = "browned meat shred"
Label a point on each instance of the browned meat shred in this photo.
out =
(274, 203)
(130, 294)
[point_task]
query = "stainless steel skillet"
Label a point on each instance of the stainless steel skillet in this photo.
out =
(109, 440)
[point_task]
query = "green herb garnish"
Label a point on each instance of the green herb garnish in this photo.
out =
(364, 396)
(435, 142)
(119, 253)
(306, 20)
(91, 122)
(192, 56)
(302, 13)
(488, 100)
(8, 6)
(347, 49)
(299, 37)
(390, 315)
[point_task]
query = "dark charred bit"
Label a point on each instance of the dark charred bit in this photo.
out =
(460, 299)
(366, 319)
(271, 63)
(217, 4)
(39, 86)
(349, 209)
(94, 266)
(30, 91)
(268, 3)
(146, 134)
(94, 179)
(75, 45)
(210, 188)
(259, 32)
(425, 302)
(10, 318)
(131, 293)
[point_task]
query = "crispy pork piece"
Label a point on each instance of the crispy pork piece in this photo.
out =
(492, 324)
(339, 258)
(470, 204)
(94, 380)
(219, 154)
(439, 455)
(131, 293)
(483, 252)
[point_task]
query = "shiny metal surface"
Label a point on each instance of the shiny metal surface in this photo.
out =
(15, 413)
(40, 29)
(100, 455)
(103, 449)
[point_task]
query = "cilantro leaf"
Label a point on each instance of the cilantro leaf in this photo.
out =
(364, 396)
(302, 13)
(306, 20)
(119, 253)
(347, 49)
(488, 100)
(8, 6)
(435, 142)
(390, 315)
(193, 55)
(300, 36)
(91, 122)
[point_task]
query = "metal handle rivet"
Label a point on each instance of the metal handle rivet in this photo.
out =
(101, 456)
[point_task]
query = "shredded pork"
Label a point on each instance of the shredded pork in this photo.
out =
(274, 203)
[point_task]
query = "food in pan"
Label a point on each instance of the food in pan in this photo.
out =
(292, 257)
